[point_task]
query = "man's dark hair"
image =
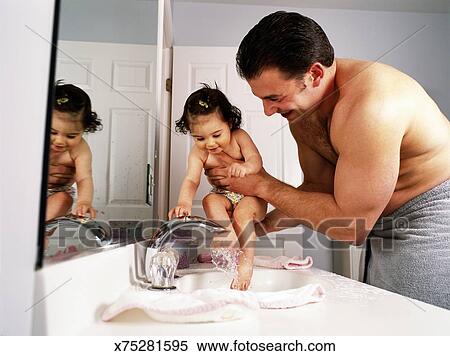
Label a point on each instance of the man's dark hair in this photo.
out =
(73, 100)
(286, 41)
(205, 101)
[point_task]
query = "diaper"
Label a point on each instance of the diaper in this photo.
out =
(233, 197)
(69, 189)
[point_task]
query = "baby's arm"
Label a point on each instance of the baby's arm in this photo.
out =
(190, 184)
(252, 158)
(83, 177)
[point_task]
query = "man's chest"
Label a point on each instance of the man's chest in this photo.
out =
(316, 135)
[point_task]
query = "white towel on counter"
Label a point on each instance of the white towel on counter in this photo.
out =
(283, 262)
(209, 305)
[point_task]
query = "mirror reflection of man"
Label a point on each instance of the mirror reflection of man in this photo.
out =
(374, 149)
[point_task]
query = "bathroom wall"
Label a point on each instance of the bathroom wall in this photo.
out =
(117, 21)
(371, 35)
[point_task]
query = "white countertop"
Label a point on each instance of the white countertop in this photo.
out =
(349, 308)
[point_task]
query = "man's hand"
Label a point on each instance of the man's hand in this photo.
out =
(60, 175)
(219, 173)
(238, 170)
(251, 185)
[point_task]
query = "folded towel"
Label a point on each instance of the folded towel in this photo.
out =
(279, 262)
(285, 262)
(208, 305)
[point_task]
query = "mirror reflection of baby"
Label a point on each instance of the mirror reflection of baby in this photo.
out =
(214, 125)
(71, 117)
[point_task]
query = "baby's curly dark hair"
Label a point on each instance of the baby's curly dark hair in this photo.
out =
(205, 101)
(71, 99)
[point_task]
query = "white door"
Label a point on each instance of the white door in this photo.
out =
(195, 65)
(120, 80)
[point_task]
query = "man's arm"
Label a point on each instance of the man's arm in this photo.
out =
(318, 176)
(366, 173)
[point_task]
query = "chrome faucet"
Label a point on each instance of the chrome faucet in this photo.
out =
(85, 234)
(151, 270)
(166, 233)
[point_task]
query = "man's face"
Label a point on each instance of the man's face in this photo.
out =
(289, 97)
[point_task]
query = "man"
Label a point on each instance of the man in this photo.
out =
(374, 149)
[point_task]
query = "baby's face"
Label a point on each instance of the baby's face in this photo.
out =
(67, 131)
(211, 132)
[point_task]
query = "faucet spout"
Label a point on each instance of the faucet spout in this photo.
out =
(166, 233)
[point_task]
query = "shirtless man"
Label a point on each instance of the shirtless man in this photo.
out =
(374, 149)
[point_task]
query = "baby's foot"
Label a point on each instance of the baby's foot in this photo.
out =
(243, 274)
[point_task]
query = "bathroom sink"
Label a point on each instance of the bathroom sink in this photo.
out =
(263, 280)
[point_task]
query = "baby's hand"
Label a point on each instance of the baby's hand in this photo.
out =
(84, 208)
(179, 211)
(238, 170)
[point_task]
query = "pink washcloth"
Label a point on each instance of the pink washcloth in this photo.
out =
(208, 305)
(285, 262)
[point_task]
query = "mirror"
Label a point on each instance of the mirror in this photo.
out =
(106, 49)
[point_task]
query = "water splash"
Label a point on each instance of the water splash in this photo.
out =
(225, 259)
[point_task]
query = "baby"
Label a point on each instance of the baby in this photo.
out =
(71, 117)
(214, 125)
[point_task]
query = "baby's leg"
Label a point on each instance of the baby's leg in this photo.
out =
(57, 205)
(217, 208)
(247, 211)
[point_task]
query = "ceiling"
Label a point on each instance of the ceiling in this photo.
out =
(426, 6)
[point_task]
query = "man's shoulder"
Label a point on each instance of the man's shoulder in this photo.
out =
(370, 88)
(371, 80)
(370, 100)
(352, 69)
